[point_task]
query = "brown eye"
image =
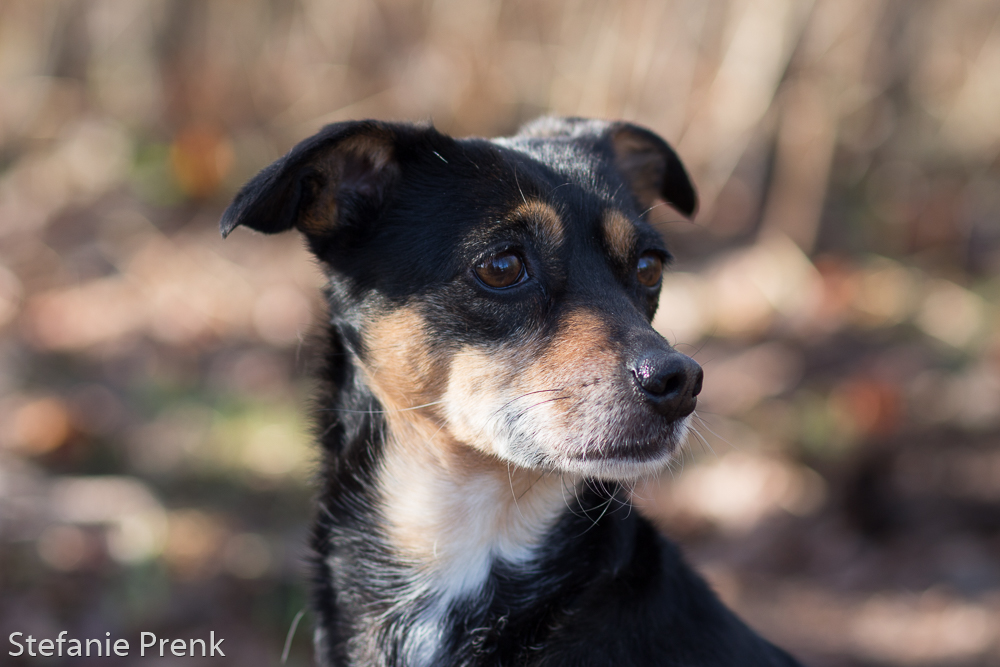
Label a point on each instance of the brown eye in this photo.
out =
(649, 269)
(501, 270)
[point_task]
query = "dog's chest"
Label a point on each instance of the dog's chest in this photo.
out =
(451, 532)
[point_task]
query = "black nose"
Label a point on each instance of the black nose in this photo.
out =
(670, 381)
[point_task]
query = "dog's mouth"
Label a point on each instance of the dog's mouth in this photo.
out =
(624, 451)
(640, 452)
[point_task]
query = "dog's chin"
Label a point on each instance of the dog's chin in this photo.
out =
(615, 469)
(622, 461)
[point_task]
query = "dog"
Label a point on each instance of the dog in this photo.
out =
(492, 383)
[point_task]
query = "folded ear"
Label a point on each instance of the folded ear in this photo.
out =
(650, 166)
(326, 181)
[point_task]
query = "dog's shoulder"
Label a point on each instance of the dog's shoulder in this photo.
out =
(656, 611)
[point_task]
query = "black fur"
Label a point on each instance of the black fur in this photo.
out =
(398, 217)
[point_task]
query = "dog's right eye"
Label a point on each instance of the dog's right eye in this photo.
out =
(502, 270)
(649, 269)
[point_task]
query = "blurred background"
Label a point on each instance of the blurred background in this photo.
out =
(839, 285)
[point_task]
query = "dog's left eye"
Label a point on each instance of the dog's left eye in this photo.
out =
(649, 269)
(502, 270)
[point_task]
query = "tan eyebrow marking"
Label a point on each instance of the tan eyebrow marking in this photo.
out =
(545, 221)
(619, 235)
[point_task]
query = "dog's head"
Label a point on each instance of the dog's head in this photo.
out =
(498, 292)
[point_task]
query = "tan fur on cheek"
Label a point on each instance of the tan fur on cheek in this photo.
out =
(479, 384)
(403, 369)
(619, 235)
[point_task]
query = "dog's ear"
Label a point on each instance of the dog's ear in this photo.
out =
(338, 174)
(650, 166)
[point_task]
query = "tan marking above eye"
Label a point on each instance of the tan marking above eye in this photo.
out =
(619, 236)
(649, 269)
(501, 270)
(544, 219)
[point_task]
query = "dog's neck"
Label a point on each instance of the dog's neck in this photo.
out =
(451, 511)
(438, 539)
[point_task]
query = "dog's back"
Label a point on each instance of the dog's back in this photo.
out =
(492, 378)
